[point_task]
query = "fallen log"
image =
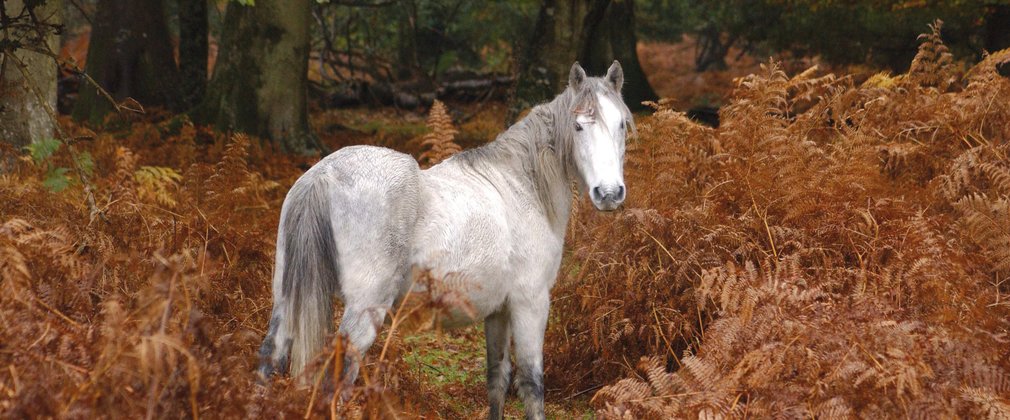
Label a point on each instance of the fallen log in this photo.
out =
(411, 94)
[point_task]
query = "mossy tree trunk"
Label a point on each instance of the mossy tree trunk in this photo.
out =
(130, 55)
(592, 32)
(260, 80)
(193, 47)
(23, 115)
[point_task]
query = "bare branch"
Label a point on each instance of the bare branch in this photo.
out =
(83, 12)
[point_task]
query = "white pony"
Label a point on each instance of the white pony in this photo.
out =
(355, 224)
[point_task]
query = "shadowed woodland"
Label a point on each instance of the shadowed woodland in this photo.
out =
(817, 225)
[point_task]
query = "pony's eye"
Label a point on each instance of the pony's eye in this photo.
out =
(578, 127)
(622, 125)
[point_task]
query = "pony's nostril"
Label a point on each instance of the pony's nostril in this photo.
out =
(620, 193)
(597, 193)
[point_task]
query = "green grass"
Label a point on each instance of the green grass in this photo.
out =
(454, 361)
(456, 357)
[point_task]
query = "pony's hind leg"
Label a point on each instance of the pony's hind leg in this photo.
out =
(360, 325)
(276, 346)
(369, 293)
(528, 322)
(496, 333)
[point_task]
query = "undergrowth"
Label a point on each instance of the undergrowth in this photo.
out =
(154, 305)
(832, 250)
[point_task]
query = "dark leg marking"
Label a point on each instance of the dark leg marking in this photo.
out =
(267, 364)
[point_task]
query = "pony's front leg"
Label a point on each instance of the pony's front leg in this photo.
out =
(528, 322)
(496, 334)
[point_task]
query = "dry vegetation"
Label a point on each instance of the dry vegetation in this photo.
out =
(830, 250)
(438, 144)
(154, 304)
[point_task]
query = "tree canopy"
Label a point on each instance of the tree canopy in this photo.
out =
(876, 32)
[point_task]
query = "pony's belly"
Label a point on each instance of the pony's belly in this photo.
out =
(460, 297)
(465, 247)
(458, 318)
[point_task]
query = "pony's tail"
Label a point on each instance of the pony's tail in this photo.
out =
(308, 279)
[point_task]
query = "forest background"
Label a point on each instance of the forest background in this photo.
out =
(818, 225)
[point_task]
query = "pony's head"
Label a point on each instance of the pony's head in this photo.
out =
(601, 125)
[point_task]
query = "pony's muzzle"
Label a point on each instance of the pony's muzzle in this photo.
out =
(608, 197)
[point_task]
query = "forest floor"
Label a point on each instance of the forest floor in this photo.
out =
(836, 248)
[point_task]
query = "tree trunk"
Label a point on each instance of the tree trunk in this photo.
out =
(23, 116)
(535, 81)
(592, 32)
(193, 49)
(260, 80)
(997, 32)
(611, 37)
(129, 55)
(997, 27)
(710, 51)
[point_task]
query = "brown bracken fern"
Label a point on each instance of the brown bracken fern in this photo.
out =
(832, 250)
(438, 143)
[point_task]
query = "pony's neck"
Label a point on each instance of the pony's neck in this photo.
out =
(532, 151)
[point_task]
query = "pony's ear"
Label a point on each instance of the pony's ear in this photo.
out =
(576, 76)
(615, 76)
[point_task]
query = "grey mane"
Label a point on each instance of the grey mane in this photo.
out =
(540, 144)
